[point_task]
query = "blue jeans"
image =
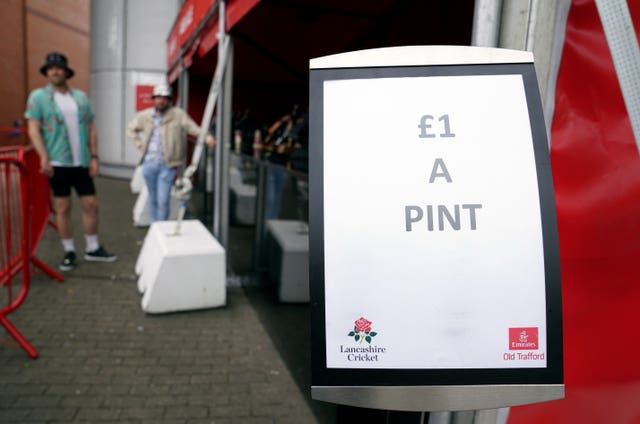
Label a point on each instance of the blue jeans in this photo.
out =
(274, 192)
(159, 180)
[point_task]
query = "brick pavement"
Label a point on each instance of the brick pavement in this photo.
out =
(103, 360)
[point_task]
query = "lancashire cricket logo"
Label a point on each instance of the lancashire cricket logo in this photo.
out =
(362, 331)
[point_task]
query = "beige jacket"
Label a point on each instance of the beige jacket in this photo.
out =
(176, 124)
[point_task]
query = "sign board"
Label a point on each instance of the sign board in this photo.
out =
(143, 97)
(434, 266)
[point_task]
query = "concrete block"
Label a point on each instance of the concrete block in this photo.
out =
(137, 180)
(181, 272)
(242, 202)
(235, 176)
(141, 214)
(235, 161)
(242, 174)
(289, 259)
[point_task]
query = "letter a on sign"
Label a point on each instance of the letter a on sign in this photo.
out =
(439, 170)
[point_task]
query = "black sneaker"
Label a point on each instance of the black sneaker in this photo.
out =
(68, 262)
(99, 255)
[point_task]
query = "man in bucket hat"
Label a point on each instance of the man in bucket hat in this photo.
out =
(160, 133)
(61, 129)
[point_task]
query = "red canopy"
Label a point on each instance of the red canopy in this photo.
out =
(274, 40)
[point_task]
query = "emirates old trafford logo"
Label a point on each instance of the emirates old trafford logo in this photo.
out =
(523, 338)
(362, 331)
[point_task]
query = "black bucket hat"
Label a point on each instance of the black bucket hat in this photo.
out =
(56, 59)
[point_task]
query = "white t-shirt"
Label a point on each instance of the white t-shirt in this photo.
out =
(69, 110)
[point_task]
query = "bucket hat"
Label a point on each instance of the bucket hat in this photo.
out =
(56, 59)
(161, 90)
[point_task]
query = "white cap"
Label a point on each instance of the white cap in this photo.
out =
(161, 90)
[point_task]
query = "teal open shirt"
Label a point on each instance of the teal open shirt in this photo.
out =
(42, 107)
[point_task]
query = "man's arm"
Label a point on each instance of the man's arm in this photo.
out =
(94, 164)
(33, 128)
(194, 130)
(133, 131)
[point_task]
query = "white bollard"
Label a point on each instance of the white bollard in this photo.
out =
(181, 272)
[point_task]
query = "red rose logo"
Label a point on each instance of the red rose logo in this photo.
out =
(363, 325)
(362, 331)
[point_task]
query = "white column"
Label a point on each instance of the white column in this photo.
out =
(128, 48)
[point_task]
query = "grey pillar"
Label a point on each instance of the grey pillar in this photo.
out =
(125, 54)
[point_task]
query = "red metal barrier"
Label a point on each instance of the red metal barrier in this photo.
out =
(24, 213)
(15, 249)
(13, 136)
(38, 209)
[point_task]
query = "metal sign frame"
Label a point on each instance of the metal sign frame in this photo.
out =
(432, 389)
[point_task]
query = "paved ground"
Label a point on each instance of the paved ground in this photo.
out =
(104, 360)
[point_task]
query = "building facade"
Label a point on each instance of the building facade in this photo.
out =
(29, 29)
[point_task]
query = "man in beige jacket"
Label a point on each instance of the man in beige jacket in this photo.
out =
(160, 133)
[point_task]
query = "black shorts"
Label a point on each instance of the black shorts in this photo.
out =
(65, 177)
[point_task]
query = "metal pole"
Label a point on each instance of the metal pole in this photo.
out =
(623, 45)
(532, 15)
(486, 23)
(227, 125)
(261, 201)
(220, 146)
(183, 88)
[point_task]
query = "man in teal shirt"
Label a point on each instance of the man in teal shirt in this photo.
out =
(61, 129)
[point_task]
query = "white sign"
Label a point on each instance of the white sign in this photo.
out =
(432, 225)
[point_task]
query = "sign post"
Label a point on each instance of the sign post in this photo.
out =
(434, 265)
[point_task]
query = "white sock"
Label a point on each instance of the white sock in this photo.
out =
(92, 242)
(67, 245)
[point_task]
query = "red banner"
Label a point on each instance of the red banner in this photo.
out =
(190, 18)
(191, 15)
(236, 10)
(596, 169)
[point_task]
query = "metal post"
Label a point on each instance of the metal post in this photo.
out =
(486, 23)
(623, 45)
(220, 145)
(261, 201)
(183, 88)
(227, 125)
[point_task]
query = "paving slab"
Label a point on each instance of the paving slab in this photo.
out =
(102, 359)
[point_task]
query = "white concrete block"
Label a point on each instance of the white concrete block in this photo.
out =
(181, 272)
(141, 214)
(243, 204)
(235, 176)
(289, 259)
(137, 180)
